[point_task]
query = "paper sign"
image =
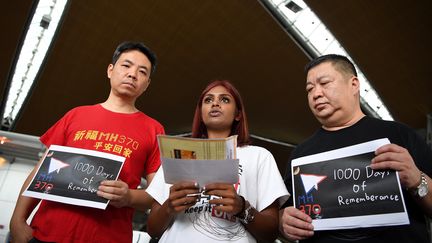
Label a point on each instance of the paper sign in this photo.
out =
(70, 175)
(201, 171)
(339, 190)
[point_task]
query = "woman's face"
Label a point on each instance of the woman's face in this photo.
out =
(218, 110)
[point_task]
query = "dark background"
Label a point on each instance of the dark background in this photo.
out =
(197, 41)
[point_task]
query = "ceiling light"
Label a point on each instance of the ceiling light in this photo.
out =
(314, 36)
(38, 39)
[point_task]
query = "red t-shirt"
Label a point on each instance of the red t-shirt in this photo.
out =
(133, 136)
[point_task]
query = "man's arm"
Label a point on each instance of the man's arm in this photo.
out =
(426, 202)
(20, 230)
(140, 199)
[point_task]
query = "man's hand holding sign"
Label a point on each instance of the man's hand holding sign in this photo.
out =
(340, 189)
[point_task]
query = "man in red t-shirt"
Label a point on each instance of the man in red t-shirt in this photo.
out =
(115, 126)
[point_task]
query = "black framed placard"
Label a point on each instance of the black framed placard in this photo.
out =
(339, 190)
(71, 175)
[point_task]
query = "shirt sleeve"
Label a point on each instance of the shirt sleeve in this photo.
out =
(270, 177)
(158, 189)
(153, 160)
(56, 134)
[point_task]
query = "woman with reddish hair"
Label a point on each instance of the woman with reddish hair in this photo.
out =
(244, 212)
(239, 126)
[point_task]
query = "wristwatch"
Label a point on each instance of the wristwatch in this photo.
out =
(248, 214)
(422, 189)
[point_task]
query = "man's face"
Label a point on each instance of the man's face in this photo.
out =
(331, 94)
(130, 75)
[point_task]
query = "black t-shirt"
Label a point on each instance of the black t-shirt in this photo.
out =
(365, 130)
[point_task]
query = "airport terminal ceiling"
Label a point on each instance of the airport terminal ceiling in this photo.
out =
(236, 40)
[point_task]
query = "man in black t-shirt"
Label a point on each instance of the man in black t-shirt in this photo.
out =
(334, 98)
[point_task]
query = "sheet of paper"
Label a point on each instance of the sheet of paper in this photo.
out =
(339, 190)
(70, 175)
(199, 160)
(201, 171)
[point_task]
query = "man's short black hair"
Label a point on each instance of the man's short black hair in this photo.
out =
(341, 62)
(129, 45)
